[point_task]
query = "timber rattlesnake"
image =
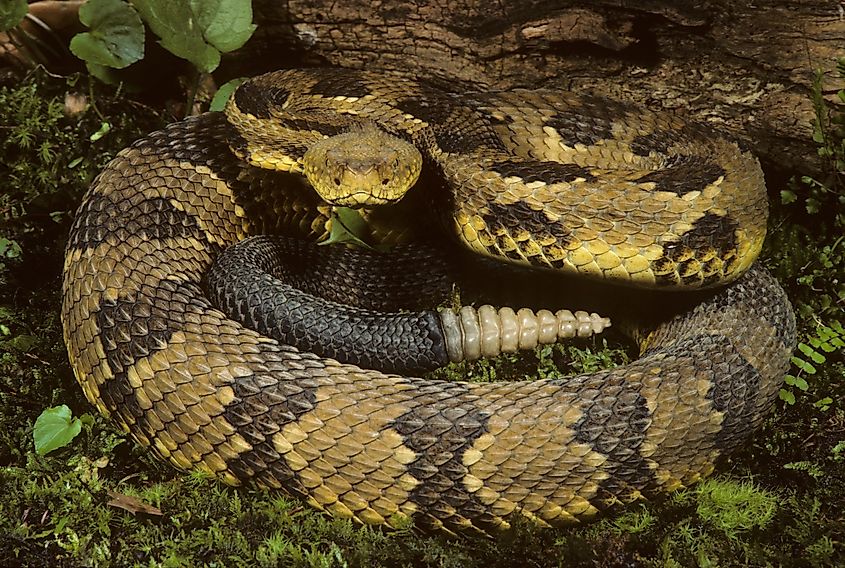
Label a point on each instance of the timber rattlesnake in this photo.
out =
(536, 177)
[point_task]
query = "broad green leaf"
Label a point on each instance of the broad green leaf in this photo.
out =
(11, 13)
(54, 429)
(104, 73)
(116, 36)
(348, 227)
(225, 24)
(175, 23)
(225, 91)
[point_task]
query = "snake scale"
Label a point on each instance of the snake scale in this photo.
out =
(539, 178)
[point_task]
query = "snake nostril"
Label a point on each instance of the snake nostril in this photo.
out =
(385, 181)
(337, 181)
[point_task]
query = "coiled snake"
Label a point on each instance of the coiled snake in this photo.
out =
(535, 177)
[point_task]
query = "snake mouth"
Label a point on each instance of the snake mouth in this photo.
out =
(362, 198)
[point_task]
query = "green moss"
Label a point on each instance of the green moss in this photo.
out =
(734, 507)
(547, 362)
(634, 522)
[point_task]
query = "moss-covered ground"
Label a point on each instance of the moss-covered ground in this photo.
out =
(102, 501)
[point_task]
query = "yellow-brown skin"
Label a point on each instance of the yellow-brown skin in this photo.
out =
(207, 393)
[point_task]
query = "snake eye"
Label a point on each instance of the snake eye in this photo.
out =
(385, 181)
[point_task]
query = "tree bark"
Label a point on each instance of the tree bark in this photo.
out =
(746, 67)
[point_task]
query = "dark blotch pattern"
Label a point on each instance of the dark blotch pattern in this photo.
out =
(735, 391)
(614, 424)
(712, 231)
(575, 128)
(340, 85)
(264, 404)
(131, 329)
(440, 429)
(658, 142)
(736, 384)
(327, 128)
(520, 216)
(453, 127)
(489, 116)
(154, 218)
(259, 100)
(404, 277)
(536, 170)
(428, 104)
(207, 140)
(684, 174)
(592, 122)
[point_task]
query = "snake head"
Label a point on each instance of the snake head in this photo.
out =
(362, 167)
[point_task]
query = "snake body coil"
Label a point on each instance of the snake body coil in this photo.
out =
(534, 177)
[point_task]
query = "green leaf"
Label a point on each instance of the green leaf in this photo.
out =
(9, 248)
(176, 25)
(116, 36)
(225, 91)
(786, 396)
(824, 403)
(787, 196)
(817, 357)
(54, 429)
(23, 343)
(348, 227)
(225, 24)
(12, 12)
(794, 381)
(198, 30)
(105, 127)
(804, 365)
(103, 72)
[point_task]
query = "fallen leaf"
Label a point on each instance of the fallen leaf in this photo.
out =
(132, 504)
